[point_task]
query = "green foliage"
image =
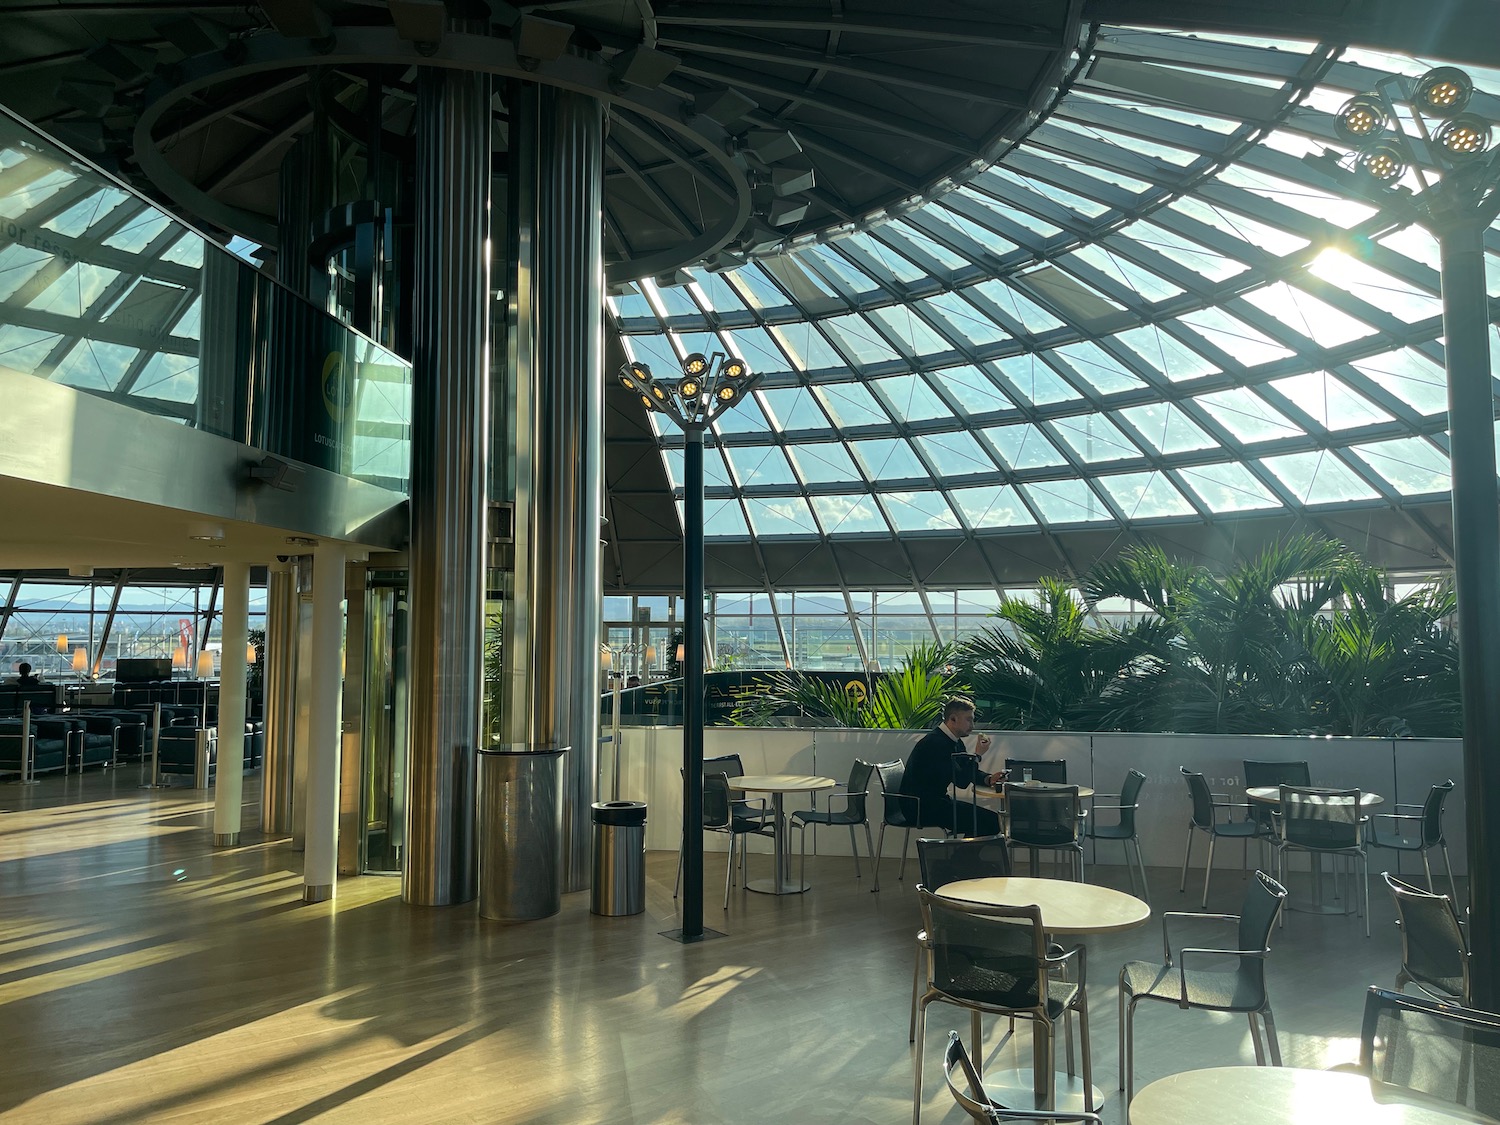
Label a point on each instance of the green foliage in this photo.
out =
(909, 698)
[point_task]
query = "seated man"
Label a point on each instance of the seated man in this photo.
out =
(24, 678)
(940, 760)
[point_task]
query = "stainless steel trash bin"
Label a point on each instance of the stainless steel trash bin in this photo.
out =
(619, 884)
(520, 832)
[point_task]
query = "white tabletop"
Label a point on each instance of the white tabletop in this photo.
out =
(1271, 795)
(1067, 908)
(781, 783)
(990, 793)
(1256, 1095)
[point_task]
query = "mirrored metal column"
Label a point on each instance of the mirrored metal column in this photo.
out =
(557, 278)
(229, 777)
(282, 605)
(448, 475)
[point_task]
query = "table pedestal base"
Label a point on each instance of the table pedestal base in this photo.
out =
(770, 887)
(1015, 1090)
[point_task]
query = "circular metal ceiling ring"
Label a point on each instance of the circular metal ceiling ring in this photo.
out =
(264, 54)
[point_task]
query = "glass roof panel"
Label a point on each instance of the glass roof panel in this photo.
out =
(756, 288)
(912, 334)
(1095, 438)
(1066, 501)
(1319, 478)
(1377, 289)
(992, 506)
(1248, 416)
(904, 237)
(1228, 487)
(1301, 196)
(911, 398)
(966, 321)
(851, 405)
(858, 340)
(830, 260)
(1316, 319)
(1025, 447)
(675, 300)
(1259, 238)
(722, 518)
(630, 305)
(1330, 402)
(1197, 259)
(807, 347)
(746, 418)
(1234, 337)
(1166, 353)
(825, 463)
(889, 459)
(971, 388)
(1100, 370)
(714, 291)
(785, 515)
(1035, 382)
(1142, 496)
(715, 475)
(920, 511)
(843, 515)
(755, 347)
(1410, 377)
(956, 454)
(139, 232)
(1414, 466)
(1167, 428)
(794, 408)
(756, 465)
(1013, 303)
(995, 243)
(884, 256)
(1134, 278)
(87, 213)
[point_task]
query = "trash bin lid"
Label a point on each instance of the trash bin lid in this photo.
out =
(625, 813)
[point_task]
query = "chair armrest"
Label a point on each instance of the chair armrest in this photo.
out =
(1114, 808)
(1167, 916)
(915, 806)
(1182, 965)
(1057, 960)
(1397, 815)
(1405, 805)
(1098, 795)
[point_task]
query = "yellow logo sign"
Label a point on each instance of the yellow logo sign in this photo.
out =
(338, 389)
(855, 690)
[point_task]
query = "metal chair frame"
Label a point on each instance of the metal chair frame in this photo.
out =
(1429, 820)
(1470, 1031)
(1205, 818)
(854, 796)
(1429, 927)
(1308, 814)
(1123, 830)
(1264, 895)
(981, 1107)
(1072, 818)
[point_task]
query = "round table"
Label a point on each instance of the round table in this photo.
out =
(778, 785)
(990, 793)
(1271, 795)
(1254, 1095)
(1067, 908)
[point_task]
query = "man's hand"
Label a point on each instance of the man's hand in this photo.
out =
(996, 779)
(981, 744)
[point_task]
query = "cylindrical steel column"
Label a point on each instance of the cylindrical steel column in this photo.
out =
(552, 625)
(692, 684)
(448, 482)
(279, 680)
(229, 777)
(321, 856)
(1476, 566)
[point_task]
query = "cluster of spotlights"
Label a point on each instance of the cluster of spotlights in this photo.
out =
(1369, 123)
(708, 387)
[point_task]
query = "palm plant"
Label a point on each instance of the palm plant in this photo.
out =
(908, 698)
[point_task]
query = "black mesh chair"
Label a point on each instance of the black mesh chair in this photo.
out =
(1259, 773)
(1325, 822)
(1427, 818)
(973, 1100)
(1208, 809)
(728, 812)
(1048, 819)
(1434, 951)
(1053, 773)
(898, 811)
(1423, 1052)
(851, 814)
(1124, 828)
(993, 959)
(951, 861)
(1239, 988)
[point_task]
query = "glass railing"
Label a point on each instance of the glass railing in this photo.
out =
(102, 291)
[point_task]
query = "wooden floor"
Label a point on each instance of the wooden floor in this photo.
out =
(145, 976)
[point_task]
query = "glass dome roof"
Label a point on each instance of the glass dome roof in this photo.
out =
(1145, 314)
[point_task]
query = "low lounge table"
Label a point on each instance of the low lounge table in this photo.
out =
(1255, 1095)
(778, 785)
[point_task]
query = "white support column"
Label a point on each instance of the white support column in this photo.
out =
(229, 777)
(320, 859)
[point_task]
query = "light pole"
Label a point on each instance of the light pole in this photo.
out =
(709, 386)
(1455, 198)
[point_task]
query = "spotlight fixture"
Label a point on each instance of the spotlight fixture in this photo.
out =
(642, 66)
(1463, 136)
(1360, 119)
(1443, 92)
(708, 387)
(695, 364)
(540, 39)
(420, 21)
(1383, 162)
(723, 106)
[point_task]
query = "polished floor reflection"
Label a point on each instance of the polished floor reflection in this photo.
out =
(145, 977)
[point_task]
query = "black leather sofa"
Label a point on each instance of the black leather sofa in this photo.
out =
(51, 746)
